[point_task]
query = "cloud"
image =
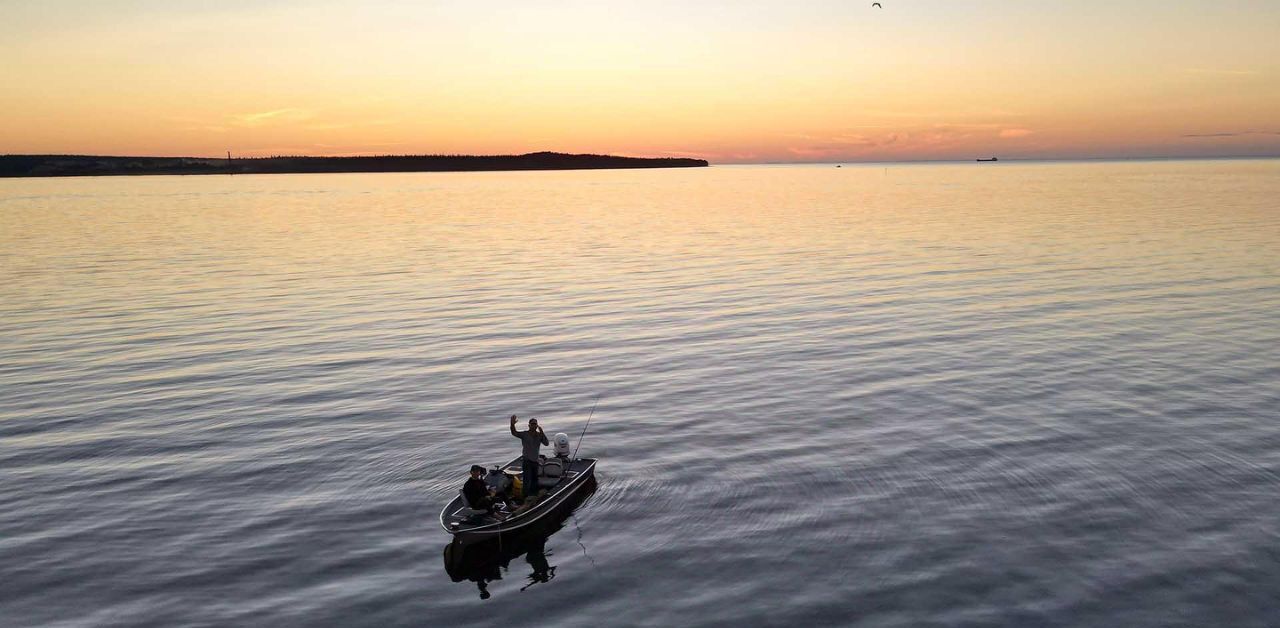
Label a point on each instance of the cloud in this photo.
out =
(980, 113)
(271, 117)
(362, 146)
(936, 136)
(686, 153)
(305, 119)
(335, 126)
(1231, 134)
(1224, 72)
(951, 137)
(277, 151)
(843, 143)
(210, 128)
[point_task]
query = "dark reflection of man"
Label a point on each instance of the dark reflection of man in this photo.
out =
(537, 558)
(488, 572)
(480, 564)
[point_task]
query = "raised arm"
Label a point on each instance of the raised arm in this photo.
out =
(513, 427)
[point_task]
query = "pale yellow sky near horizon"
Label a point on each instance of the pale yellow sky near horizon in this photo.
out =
(753, 80)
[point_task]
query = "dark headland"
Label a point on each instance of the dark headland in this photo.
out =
(84, 165)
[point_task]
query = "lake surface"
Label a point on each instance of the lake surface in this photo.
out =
(1015, 394)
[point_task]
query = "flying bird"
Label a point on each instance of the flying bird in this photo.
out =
(877, 5)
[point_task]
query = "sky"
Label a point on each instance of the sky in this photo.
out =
(730, 81)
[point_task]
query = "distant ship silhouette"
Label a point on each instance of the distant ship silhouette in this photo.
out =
(992, 159)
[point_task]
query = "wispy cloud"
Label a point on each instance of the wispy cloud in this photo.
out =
(363, 146)
(856, 142)
(334, 126)
(276, 151)
(839, 144)
(686, 153)
(206, 128)
(950, 114)
(335, 150)
(1221, 71)
(1231, 134)
(275, 116)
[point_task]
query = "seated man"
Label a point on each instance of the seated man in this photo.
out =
(477, 493)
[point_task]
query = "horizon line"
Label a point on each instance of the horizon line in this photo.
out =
(670, 157)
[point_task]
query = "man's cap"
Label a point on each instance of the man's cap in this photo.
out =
(476, 467)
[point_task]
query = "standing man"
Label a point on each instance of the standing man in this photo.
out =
(531, 439)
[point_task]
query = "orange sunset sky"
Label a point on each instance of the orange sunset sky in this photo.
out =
(729, 81)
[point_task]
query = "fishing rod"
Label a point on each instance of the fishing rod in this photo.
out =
(584, 428)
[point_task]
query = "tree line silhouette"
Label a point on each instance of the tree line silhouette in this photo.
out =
(87, 165)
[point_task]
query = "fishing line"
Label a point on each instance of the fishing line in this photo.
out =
(584, 428)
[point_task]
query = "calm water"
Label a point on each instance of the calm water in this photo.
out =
(1016, 394)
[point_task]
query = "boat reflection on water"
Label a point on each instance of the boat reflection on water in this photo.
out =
(485, 562)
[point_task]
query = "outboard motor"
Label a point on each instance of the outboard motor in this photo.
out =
(561, 443)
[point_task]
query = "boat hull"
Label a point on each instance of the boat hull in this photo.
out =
(556, 500)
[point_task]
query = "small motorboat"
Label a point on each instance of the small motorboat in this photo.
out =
(559, 479)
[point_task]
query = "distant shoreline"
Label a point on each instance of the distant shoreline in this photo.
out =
(90, 165)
